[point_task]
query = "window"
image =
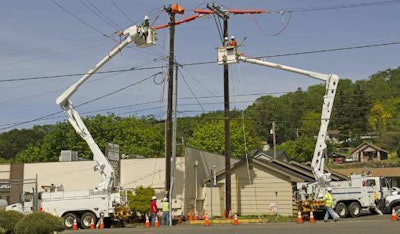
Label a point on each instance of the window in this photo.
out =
(370, 183)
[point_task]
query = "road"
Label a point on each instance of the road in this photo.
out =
(366, 224)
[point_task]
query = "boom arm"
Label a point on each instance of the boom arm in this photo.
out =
(229, 55)
(132, 34)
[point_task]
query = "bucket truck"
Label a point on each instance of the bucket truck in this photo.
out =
(104, 200)
(350, 197)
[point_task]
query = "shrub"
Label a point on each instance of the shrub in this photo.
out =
(39, 222)
(8, 220)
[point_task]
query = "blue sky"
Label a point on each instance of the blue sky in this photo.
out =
(57, 39)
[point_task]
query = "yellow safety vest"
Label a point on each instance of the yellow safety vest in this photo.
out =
(165, 206)
(328, 200)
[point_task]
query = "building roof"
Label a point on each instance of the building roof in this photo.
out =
(365, 145)
(297, 172)
(386, 172)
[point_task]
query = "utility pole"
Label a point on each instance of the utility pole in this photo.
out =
(274, 138)
(171, 10)
(228, 202)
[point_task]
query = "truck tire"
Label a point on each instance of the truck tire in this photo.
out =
(69, 220)
(86, 220)
(397, 211)
(341, 210)
(354, 209)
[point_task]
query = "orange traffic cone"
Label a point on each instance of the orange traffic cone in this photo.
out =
(312, 220)
(92, 224)
(156, 224)
(299, 218)
(230, 215)
(147, 221)
(394, 217)
(41, 206)
(235, 220)
(190, 216)
(206, 221)
(74, 225)
(224, 214)
(101, 225)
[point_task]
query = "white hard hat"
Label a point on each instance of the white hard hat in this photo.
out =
(146, 17)
(154, 198)
(329, 189)
(226, 38)
(165, 199)
(232, 37)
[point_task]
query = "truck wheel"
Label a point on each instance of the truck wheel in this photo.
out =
(397, 212)
(86, 220)
(354, 209)
(69, 220)
(341, 210)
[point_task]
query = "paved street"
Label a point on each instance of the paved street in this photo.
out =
(365, 224)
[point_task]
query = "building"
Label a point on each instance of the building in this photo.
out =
(367, 152)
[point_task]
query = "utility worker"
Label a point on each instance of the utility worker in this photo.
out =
(165, 212)
(153, 210)
(226, 42)
(328, 205)
(233, 41)
(146, 26)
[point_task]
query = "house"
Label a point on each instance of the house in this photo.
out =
(367, 152)
(260, 184)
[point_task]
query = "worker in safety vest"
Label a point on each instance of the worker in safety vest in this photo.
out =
(165, 212)
(328, 205)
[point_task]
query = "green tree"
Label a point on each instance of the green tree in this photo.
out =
(140, 200)
(211, 137)
(300, 150)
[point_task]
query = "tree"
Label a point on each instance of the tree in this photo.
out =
(300, 150)
(211, 137)
(140, 200)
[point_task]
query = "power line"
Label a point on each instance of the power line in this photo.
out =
(80, 19)
(344, 6)
(206, 62)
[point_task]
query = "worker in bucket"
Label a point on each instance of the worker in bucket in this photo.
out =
(226, 42)
(145, 26)
(233, 41)
(165, 212)
(328, 205)
(153, 210)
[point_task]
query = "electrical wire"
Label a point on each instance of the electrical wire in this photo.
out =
(208, 62)
(81, 20)
(344, 6)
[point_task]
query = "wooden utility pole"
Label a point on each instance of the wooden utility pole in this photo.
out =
(228, 198)
(171, 10)
(223, 14)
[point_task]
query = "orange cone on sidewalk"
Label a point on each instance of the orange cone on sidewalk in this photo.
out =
(190, 216)
(147, 221)
(92, 224)
(235, 220)
(101, 225)
(74, 225)
(394, 217)
(312, 220)
(206, 221)
(156, 224)
(299, 218)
